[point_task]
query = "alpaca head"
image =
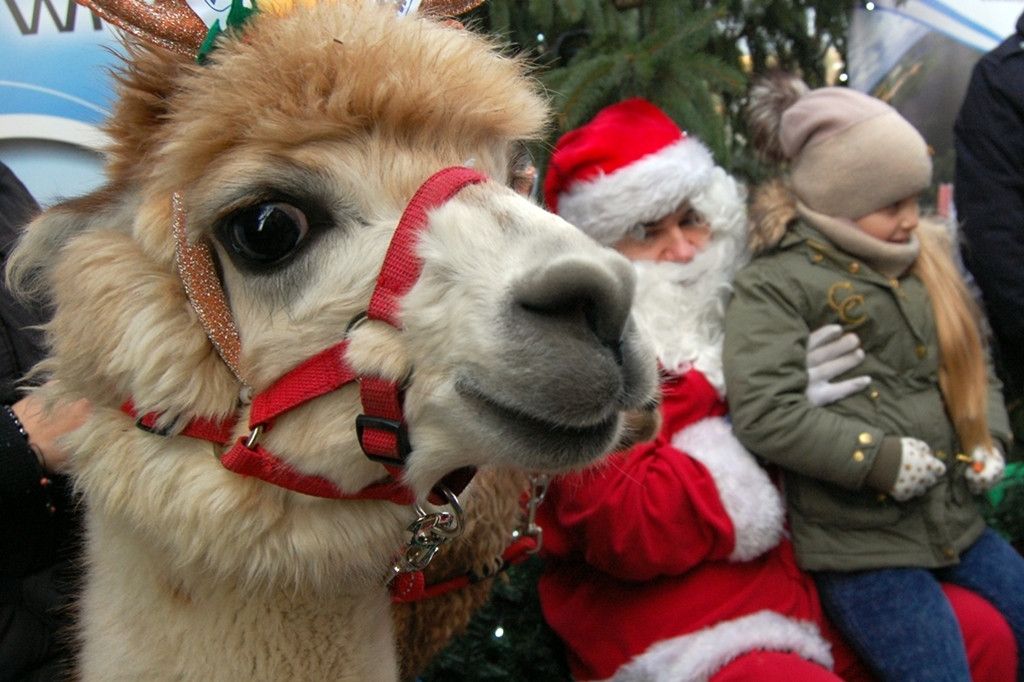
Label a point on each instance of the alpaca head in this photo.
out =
(291, 155)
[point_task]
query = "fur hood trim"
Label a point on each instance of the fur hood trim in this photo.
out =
(697, 656)
(772, 209)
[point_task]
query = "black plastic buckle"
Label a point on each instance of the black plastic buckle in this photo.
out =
(365, 421)
(143, 426)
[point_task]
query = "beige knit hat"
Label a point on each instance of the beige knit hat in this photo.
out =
(850, 154)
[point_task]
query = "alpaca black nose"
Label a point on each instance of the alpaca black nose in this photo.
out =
(593, 294)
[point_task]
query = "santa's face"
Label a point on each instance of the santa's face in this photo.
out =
(681, 306)
(676, 238)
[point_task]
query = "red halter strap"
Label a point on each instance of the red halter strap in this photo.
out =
(381, 429)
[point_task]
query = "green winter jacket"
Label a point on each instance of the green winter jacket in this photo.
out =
(837, 521)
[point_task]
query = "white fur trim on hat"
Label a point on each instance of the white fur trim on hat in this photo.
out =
(697, 656)
(750, 498)
(646, 190)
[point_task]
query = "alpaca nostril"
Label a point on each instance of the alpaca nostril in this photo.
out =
(592, 294)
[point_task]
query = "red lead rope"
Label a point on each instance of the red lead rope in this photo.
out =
(412, 587)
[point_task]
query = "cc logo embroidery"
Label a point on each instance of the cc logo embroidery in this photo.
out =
(848, 304)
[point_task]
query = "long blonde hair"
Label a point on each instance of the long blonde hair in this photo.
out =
(963, 374)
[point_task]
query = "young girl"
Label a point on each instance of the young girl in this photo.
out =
(879, 485)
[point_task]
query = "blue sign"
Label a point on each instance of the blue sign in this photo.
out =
(53, 63)
(56, 90)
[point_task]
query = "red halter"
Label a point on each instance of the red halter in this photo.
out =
(381, 429)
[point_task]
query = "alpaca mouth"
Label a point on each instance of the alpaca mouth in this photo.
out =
(550, 442)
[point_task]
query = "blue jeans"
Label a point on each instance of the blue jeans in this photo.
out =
(900, 622)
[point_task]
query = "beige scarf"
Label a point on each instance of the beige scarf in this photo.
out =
(888, 258)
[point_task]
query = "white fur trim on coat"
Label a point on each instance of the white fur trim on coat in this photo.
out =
(748, 494)
(648, 189)
(697, 656)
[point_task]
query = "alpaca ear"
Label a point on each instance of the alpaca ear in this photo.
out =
(28, 268)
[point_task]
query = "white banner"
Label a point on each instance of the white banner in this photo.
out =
(883, 32)
(981, 24)
(918, 56)
(55, 90)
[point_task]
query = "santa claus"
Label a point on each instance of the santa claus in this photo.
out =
(670, 562)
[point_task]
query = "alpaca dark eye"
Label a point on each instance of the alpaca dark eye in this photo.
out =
(267, 233)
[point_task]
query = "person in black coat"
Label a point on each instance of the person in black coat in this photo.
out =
(988, 192)
(38, 541)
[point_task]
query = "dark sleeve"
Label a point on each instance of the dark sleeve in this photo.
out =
(17, 207)
(38, 538)
(25, 503)
(20, 342)
(989, 193)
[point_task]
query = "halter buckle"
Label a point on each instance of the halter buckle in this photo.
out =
(392, 426)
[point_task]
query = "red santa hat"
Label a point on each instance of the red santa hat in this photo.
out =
(629, 166)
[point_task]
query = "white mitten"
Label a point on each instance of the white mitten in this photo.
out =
(919, 470)
(985, 471)
(830, 352)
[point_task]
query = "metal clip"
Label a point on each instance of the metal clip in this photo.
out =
(414, 559)
(538, 490)
(430, 531)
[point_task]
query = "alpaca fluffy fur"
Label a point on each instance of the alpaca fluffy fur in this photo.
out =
(194, 572)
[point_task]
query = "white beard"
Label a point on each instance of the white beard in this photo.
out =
(680, 307)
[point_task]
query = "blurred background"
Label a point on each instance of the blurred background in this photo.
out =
(693, 58)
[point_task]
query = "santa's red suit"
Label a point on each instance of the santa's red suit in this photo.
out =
(669, 563)
(678, 541)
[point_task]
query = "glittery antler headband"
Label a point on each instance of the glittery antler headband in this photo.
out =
(174, 25)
